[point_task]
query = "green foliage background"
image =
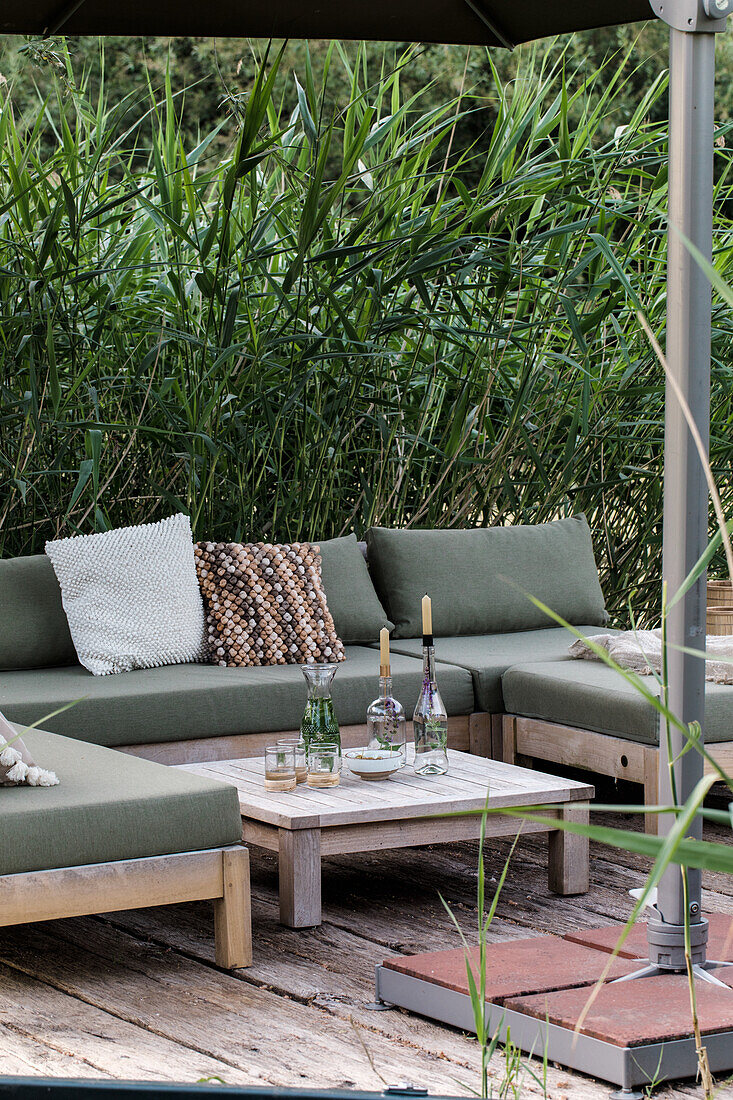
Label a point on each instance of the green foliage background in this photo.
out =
(215, 72)
(342, 286)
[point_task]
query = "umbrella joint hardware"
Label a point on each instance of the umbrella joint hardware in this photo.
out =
(693, 16)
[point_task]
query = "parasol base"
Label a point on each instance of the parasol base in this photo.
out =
(538, 990)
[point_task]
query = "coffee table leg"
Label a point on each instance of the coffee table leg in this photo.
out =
(300, 877)
(568, 854)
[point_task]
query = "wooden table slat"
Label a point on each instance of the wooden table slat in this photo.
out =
(404, 796)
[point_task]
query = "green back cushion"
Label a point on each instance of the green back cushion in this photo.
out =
(479, 579)
(35, 632)
(357, 613)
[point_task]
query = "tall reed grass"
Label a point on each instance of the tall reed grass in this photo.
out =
(285, 350)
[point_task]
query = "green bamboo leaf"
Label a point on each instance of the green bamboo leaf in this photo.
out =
(94, 449)
(309, 126)
(616, 267)
(85, 472)
(230, 318)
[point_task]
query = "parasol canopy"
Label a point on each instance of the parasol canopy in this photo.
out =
(458, 21)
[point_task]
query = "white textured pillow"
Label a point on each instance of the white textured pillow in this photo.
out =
(131, 596)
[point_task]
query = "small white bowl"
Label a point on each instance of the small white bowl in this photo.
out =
(374, 763)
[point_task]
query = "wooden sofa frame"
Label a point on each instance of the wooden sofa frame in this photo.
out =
(595, 752)
(477, 733)
(508, 737)
(221, 874)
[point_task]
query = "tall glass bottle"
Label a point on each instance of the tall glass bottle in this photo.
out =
(430, 722)
(319, 723)
(386, 715)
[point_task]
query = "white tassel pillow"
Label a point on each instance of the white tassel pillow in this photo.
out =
(17, 766)
(132, 596)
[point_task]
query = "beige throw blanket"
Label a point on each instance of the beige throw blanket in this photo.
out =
(641, 651)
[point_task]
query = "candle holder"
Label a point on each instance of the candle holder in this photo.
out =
(386, 716)
(430, 721)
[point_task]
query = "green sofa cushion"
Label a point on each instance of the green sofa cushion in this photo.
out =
(478, 579)
(178, 702)
(108, 807)
(352, 599)
(591, 696)
(488, 656)
(35, 632)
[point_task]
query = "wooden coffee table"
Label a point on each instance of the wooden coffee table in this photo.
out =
(359, 816)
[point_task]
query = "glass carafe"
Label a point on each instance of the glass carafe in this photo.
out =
(319, 723)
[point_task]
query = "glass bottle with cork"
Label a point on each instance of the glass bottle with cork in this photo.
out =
(430, 721)
(386, 715)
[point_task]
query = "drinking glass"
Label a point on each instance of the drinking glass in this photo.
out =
(324, 764)
(280, 768)
(297, 744)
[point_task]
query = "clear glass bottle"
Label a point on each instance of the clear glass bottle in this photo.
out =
(386, 721)
(319, 723)
(430, 722)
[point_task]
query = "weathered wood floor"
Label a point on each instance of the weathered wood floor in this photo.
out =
(137, 995)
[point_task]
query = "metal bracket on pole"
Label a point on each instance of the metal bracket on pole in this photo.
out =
(693, 16)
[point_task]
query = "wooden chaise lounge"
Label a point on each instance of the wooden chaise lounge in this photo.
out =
(122, 833)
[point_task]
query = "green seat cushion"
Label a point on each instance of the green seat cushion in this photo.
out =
(479, 580)
(591, 696)
(178, 702)
(109, 806)
(35, 631)
(357, 612)
(488, 656)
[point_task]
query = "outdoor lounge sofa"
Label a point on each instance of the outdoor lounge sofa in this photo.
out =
(192, 712)
(122, 834)
(502, 665)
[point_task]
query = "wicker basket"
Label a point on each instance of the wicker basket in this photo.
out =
(720, 594)
(720, 620)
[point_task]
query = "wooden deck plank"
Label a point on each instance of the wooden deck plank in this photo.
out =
(26, 1056)
(72, 1038)
(248, 1027)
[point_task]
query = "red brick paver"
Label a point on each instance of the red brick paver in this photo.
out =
(720, 941)
(633, 1013)
(513, 968)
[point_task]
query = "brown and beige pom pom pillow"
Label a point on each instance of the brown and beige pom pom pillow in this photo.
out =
(17, 766)
(265, 604)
